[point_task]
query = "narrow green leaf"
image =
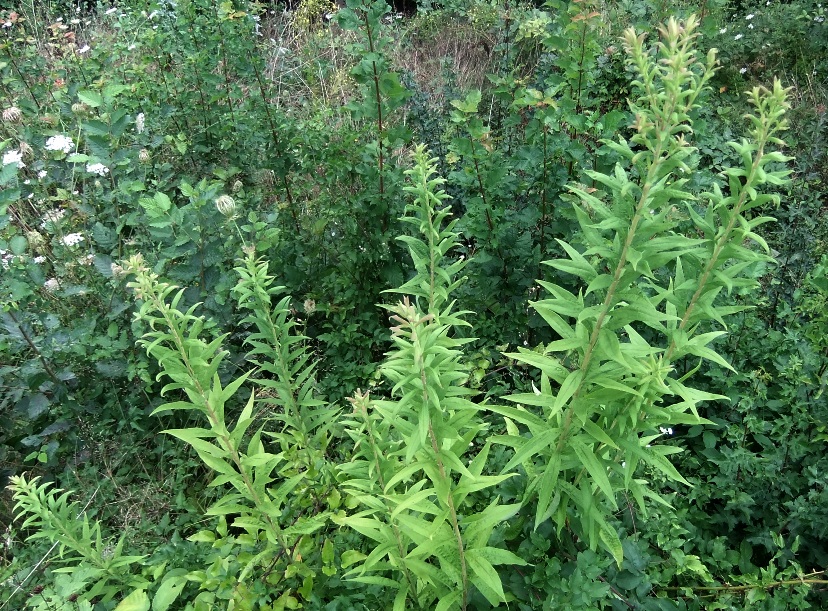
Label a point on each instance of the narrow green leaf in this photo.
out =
(595, 467)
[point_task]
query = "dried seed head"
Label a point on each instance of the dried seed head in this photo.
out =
(12, 114)
(237, 186)
(118, 271)
(49, 120)
(25, 149)
(226, 205)
(143, 155)
(79, 108)
(266, 178)
(310, 306)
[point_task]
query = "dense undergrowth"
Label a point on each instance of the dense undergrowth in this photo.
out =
(597, 379)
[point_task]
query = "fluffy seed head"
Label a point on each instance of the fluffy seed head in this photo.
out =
(12, 114)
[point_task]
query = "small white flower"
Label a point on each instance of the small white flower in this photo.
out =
(742, 70)
(51, 285)
(60, 143)
(152, 15)
(109, 11)
(131, 48)
(139, 123)
(14, 157)
(723, 30)
(737, 37)
(39, 259)
(750, 16)
(72, 239)
(83, 49)
(97, 168)
(819, 19)
(750, 26)
(42, 174)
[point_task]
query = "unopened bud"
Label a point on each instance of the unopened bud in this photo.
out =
(226, 205)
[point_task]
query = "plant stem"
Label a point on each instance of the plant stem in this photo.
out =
(43, 361)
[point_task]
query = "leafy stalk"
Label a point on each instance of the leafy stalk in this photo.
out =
(647, 289)
(410, 472)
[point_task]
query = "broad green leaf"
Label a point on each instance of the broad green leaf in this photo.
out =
(90, 98)
(136, 601)
(168, 592)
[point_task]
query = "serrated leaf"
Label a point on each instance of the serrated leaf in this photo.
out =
(90, 98)
(136, 601)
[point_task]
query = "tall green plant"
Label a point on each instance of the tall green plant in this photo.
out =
(648, 299)
(413, 471)
(273, 495)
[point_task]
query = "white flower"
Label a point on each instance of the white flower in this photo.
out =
(819, 19)
(109, 11)
(42, 174)
(39, 259)
(665, 431)
(737, 37)
(97, 168)
(723, 30)
(152, 15)
(750, 26)
(51, 285)
(749, 17)
(742, 70)
(5, 258)
(139, 123)
(60, 143)
(72, 239)
(83, 49)
(14, 157)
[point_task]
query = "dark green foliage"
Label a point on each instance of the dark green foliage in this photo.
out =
(516, 443)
